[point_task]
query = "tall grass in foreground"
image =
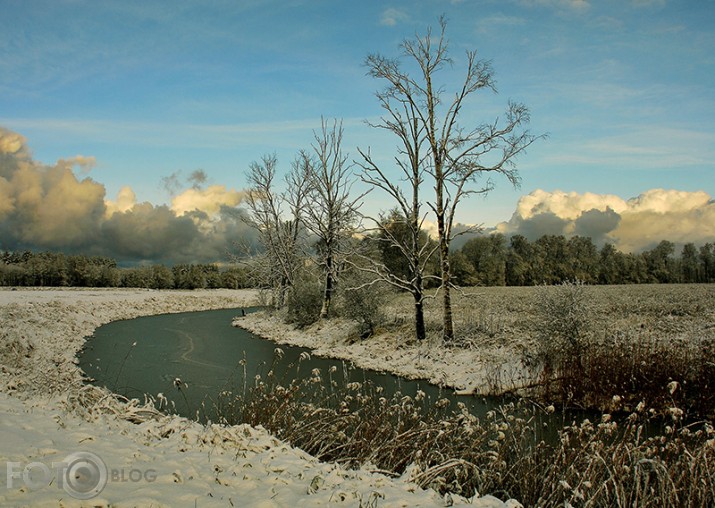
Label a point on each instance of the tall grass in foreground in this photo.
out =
(520, 451)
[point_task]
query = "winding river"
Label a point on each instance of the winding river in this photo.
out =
(202, 353)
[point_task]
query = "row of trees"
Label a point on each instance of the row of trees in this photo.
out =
(440, 162)
(488, 260)
(491, 261)
(58, 269)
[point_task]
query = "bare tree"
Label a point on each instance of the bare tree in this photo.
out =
(458, 159)
(402, 230)
(330, 212)
(277, 216)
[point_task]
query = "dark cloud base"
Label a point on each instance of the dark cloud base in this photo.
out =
(48, 208)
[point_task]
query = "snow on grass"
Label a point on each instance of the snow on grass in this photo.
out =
(47, 413)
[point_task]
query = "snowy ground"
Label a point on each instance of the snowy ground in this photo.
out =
(50, 423)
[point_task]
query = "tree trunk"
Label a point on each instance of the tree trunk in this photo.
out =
(440, 185)
(283, 287)
(448, 327)
(417, 291)
(329, 283)
(420, 332)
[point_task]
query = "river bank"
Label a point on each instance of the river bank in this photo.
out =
(493, 324)
(48, 413)
(498, 330)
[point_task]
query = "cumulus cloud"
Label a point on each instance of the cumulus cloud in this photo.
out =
(209, 200)
(126, 199)
(632, 225)
(85, 164)
(10, 142)
(49, 207)
(677, 216)
(147, 232)
(44, 205)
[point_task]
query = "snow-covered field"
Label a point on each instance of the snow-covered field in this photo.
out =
(61, 440)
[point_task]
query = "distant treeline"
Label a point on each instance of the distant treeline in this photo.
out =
(493, 261)
(489, 260)
(58, 269)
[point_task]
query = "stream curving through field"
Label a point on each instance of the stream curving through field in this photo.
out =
(147, 355)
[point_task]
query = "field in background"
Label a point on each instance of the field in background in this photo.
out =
(587, 345)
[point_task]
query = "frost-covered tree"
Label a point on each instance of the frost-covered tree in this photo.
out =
(331, 212)
(458, 159)
(401, 233)
(277, 216)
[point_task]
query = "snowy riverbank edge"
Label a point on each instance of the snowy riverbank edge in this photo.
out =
(47, 413)
(466, 370)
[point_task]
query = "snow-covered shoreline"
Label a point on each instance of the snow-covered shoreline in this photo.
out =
(466, 370)
(47, 413)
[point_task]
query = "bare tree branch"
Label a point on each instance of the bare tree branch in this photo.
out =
(279, 235)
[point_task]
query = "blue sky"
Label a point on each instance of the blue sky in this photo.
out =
(624, 88)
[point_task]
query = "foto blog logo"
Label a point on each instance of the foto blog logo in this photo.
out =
(82, 475)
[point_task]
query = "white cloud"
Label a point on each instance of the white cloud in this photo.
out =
(126, 199)
(632, 225)
(10, 142)
(567, 205)
(85, 163)
(48, 207)
(45, 206)
(208, 200)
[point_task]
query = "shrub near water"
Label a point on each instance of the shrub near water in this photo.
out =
(508, 454)
(304, 299)
(564, 327)
(585, 362)
(361, 299)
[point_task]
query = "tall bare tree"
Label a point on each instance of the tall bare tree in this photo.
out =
(277, 216)
(459, 160)
(402, 231)
(330, 211)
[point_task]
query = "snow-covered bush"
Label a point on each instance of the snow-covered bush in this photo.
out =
(564, 318)
(564, 325)
(304, 299)
(362, 299)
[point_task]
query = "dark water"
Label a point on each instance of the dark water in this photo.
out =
(147, 354)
